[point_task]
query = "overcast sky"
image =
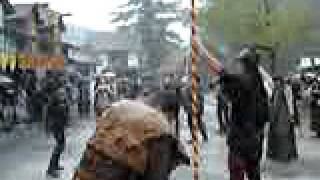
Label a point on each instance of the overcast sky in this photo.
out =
(93, 14)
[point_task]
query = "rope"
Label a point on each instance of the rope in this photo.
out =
(195, 99)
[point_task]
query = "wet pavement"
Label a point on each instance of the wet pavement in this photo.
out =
(214, 155)
(25, 156)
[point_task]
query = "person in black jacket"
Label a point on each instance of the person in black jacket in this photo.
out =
(248, 116)
(57, 120)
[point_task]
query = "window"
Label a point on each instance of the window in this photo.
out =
(306, 62)
(317, 61)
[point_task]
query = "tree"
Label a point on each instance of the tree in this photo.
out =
(266, 22)
(150, 20)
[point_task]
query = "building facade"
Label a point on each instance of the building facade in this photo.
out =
(7, 36)
(39, 28)
(119, 52)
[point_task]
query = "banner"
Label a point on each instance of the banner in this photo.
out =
(29, 61)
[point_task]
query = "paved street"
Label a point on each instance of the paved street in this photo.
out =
(25, 155)
(214, 155)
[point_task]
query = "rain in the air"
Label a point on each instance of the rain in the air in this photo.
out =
(159, 90)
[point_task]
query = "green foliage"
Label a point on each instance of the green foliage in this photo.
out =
(231, 21)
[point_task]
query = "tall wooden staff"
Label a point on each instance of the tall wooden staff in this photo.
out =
(195, 100)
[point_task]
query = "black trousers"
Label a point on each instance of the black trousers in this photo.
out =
(201, 125)
(241, 166)
(59, 137)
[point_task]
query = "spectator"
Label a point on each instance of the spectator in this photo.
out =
(57, 120)
(281, 141)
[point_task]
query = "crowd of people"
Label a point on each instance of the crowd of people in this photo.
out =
(250, 102)
(249, 99)
(26, 94)
(33, 101)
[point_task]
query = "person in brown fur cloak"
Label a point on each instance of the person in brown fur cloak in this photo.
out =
(133, 141)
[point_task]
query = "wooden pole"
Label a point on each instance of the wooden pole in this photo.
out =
(195, 98)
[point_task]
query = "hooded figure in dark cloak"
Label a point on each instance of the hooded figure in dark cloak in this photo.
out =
(281, 140)
(245, 90)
